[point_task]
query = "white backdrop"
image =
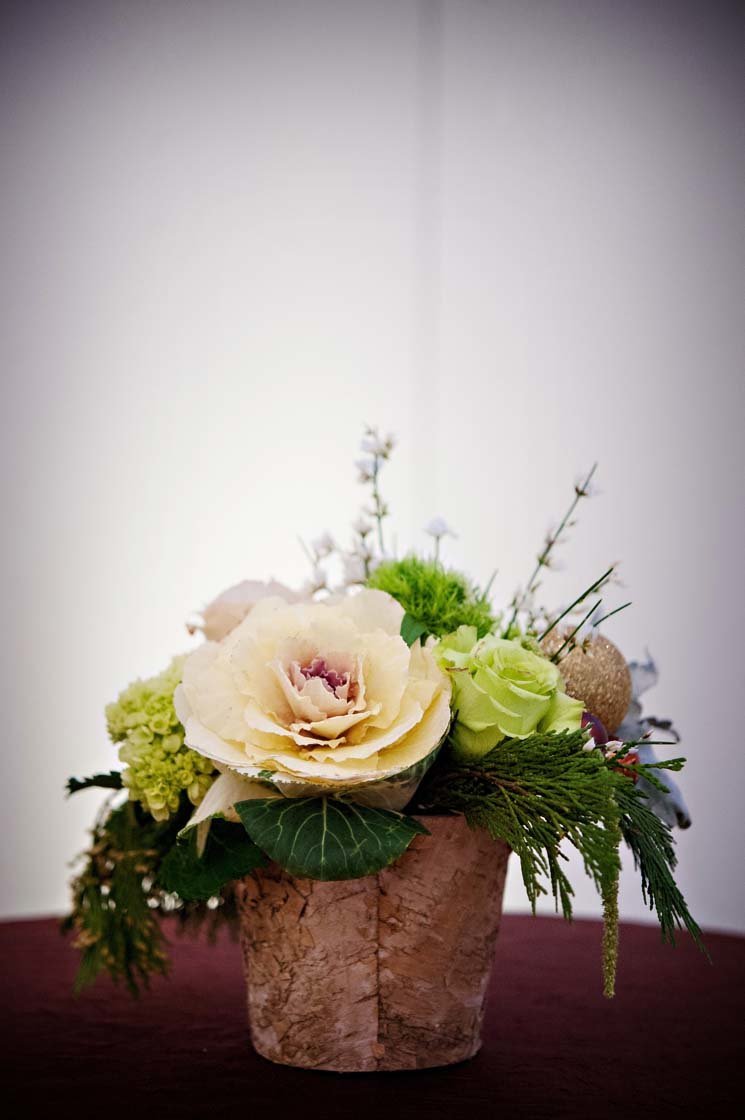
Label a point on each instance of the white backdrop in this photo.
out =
(233, 233)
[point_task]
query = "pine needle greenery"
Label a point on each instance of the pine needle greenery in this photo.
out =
(653, 848)
(438, 599)
(117, 902)
(536, 793)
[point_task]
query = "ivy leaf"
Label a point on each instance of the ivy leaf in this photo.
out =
(411, 629)
(112, 780)
(229, 854)
(326, 838)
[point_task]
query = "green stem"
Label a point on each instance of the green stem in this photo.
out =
(378, 505)
(576, 630)
(579, 492)
(611, 613)
(580, 599)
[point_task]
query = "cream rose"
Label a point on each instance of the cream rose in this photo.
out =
(229, 609)
(323, 697)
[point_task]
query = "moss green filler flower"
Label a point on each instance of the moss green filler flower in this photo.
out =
(502, 690)
(159, 766)
(439, 599)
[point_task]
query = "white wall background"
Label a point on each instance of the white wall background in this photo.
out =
(234, 232)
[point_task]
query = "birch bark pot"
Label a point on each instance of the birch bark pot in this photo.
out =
(388, 972)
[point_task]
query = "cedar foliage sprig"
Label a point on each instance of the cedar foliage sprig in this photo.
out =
(653, 848)
(539, 791)
(534, 793)
(117, 903)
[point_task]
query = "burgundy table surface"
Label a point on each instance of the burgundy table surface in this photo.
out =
(670, 1044)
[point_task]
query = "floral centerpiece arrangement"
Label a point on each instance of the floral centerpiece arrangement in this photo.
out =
(344, 770)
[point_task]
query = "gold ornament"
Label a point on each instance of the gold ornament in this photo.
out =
(596, 673)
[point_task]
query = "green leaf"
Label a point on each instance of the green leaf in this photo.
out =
(326, 838)
(229, 854)
(411, 629)
(112, 780)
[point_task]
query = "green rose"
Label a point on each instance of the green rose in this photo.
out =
(502, 690)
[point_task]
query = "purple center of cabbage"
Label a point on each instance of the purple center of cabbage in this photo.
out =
(332, 680)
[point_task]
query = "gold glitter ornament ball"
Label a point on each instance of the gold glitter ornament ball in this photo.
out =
(597, 674)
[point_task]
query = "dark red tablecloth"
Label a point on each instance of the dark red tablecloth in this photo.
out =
(669, 1045)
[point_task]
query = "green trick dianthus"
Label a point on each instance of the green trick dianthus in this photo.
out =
(438, 598)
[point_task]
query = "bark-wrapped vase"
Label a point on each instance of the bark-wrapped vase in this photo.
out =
(388, 972)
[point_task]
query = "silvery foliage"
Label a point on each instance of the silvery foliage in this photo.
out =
(669, 807)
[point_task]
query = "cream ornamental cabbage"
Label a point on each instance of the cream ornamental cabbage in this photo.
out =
(319, 698)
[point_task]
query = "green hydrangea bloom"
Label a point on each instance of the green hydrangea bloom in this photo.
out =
(159, 767)
(502, 689)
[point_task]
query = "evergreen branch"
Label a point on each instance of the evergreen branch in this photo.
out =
(631, 744)
(653, 849)
(535, 793)
(646, 770)
(117, 903)
(538, 792)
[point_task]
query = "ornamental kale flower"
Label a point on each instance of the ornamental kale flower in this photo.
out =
(325, 697)
(502, 690)
(159, 766)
